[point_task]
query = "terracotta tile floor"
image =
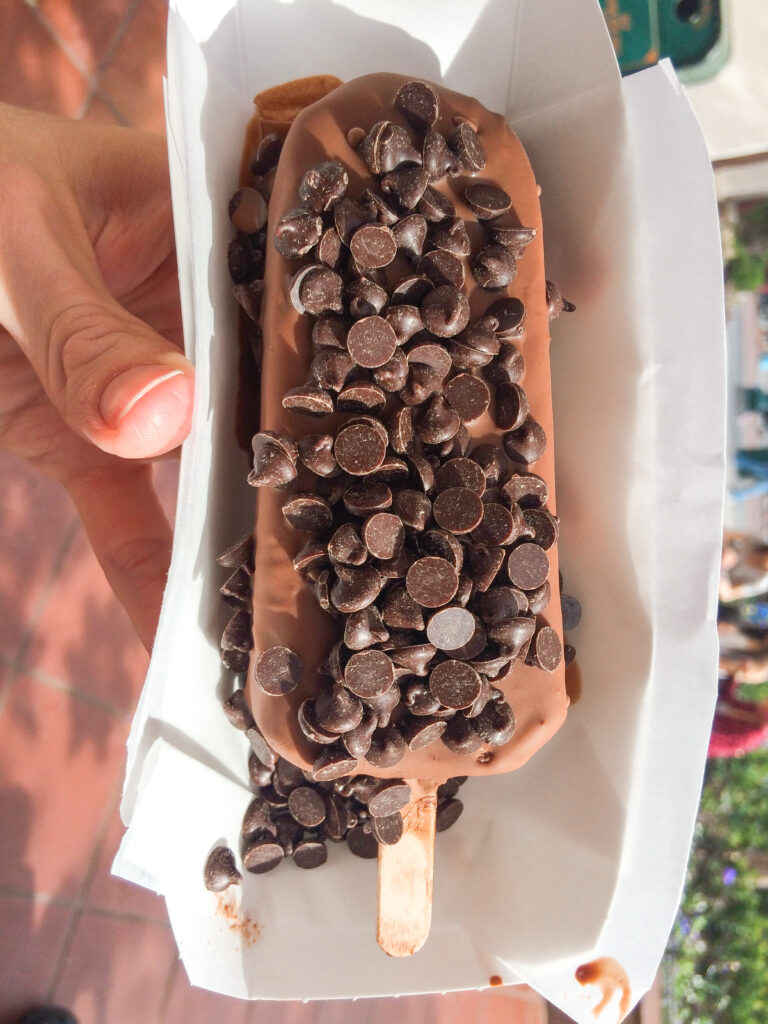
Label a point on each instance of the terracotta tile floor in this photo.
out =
(71, 669)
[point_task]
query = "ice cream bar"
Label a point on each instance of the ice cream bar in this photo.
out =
(406, 618)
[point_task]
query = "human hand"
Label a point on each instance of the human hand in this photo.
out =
(93, 382)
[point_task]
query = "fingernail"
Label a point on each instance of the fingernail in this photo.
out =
(151, 407)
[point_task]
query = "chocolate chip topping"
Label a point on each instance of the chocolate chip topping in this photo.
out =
(371, 341)
(432, 582)
(487, 201)
(418, 103)
(359, 449)
(458, 509)
(528, 566)
(221, 870)
(278, 671)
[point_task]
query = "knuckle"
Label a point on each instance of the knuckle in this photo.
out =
(139, 564)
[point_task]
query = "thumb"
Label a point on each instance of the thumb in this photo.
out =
(115, 381)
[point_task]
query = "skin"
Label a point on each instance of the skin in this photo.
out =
(88, 291)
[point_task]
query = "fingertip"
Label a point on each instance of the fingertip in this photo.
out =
(149, 411)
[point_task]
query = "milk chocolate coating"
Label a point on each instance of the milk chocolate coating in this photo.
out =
(285, 613)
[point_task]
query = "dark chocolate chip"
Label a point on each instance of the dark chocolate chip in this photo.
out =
(466, 590)
(384, 212)
(274, 460)
(330, 250)
(238, 588)
(405, 320)
(458, 509)
(355, 588)
(310, 853)
(409, 234)
(263, 855)
(362, 397)
(388, 797)
(556, 304)
(237, 711)
(349, 215)
(307, 806)
(418, 103)
(364, 628)
(442, 544)
(359, 449)
(307, 398)
(442, 268)
(400, 611)
(513, 236)
(248, 210)
(221, 870)
(388, 830)
(466, 145)
(309, 513)
(445, 311)
(460, 472)
(371, 341)
(413, 508)
(539, 598)
(415, 658)
(481, 337)
(513, 633)
(494, 267)
(387, 747)
(278, 671)
(312, 557)
(546, 650)
(420, 732)
(365, 298)
(495, 723)
(485, 563)
(510, 313)
(362, 843)
(528, 566)
(422, 472)
(501, 603)
(434, 206)
(432, 581)
(267, 154)
(383, 535)
(395, 148)
(545, 526)
(437, 159)
(346, 546)
(329, 369)
(451, 234)
(498, 526)
(297, 231)
(364, 499)
(411, 290)
(448, 813)
(369, 674)
(237, 634)
(245, 261)
(527, 443)
(460, 736)
(316, 289)
(420, 700)
(333, 762)
(393, 375)
(487, 201)
(406, 185)
(492, 664)
(337, 710)
(469, 396)
(509, 365)
(571, 610)
(240, 553)
(430, 354)
(358, 740)
(336, 817)
(438, 422)
(329, 332)
(309, 725)
(316, 453)
(569, 654)
(450, 628)
(323, 185)
(373, 245)
(526, 490)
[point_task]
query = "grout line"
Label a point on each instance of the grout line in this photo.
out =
(116, 39)
(16, 665)
(165, 997)
(61, 686)
(110, 104)
(61, 42)
(11, 892)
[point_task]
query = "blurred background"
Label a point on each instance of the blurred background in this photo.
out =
(71, 670)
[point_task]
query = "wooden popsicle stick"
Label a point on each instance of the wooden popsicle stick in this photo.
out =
(405, 876)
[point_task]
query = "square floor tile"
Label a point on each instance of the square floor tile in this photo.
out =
(116, 970)
(61, 762)
(37, 516)
(86, 27)
(107, 892)
(84, 638)
(133, 79)
(31, 940)
(34, 71)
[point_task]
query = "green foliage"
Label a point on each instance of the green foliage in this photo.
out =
(752, 229)
(746, 271)
(715, 966)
